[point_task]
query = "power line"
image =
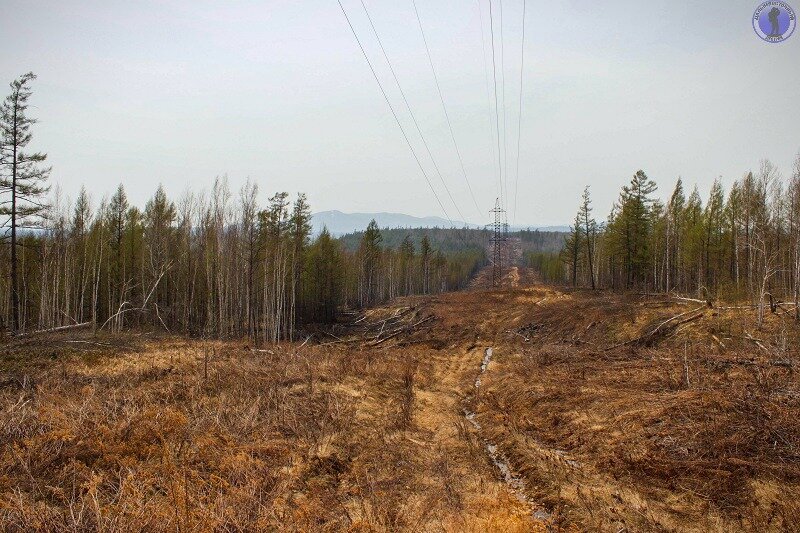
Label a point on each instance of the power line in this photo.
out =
(519, 123)
(444, 107)
(394, 114)
(486, 76)
(408, 106)
(505, 117)
(496, 108)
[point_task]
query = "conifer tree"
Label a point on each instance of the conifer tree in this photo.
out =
(324, 273)
(406, 264)
(23, 178)
(425, 253)
(589, 226)
(370, 255)
(572, 248)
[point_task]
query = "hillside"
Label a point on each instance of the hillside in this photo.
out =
(454, 240)
(339, 223)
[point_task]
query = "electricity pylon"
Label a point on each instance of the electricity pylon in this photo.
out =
(499, 241)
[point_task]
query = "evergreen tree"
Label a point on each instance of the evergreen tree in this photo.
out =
(159, 217)
(674, 233)
(116, 215)
(589, 226)
(324, 273)
(407, 264)
(636, 216)
(572, 248)
(369, 256)
(713, 219)
(425, 263)
(22, 178)
(299, 230)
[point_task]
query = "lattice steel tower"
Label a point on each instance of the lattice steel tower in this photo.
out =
(499, 241)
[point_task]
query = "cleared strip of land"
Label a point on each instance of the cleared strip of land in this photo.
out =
(611, 411)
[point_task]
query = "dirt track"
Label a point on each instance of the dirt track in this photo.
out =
(691, 430)
(365, 429)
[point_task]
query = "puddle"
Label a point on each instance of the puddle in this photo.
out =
(515, 483)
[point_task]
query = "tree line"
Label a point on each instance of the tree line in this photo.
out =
(743, 243)
(217, 264)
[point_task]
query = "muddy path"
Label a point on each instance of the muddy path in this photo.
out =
(442, 415)
(514, 482)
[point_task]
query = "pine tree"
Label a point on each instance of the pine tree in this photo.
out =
(636, 215)
(425, 253)
(81, 222)
(572, 248)
(370, 255)
(324, 273)
(299, 230)
(22, 176)
(589, 226)
(116, 215)
(407, 264)
(673, 237)
(713, 219)
(249, 228)
(159, 217)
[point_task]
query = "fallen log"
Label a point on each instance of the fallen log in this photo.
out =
(708, 303)
(400, 330)
(662, 328)
(757, 342)
(104, 344)
(53, 330)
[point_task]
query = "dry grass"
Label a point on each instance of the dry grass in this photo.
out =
(695, 428)
(178, 435)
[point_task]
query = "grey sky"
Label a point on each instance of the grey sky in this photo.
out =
(180, 92)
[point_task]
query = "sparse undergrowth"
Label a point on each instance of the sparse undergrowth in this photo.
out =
(695, 428)
(179, 435)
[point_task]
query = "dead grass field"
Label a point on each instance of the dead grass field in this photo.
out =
(177, 435)
(362, 428)
(694, 430)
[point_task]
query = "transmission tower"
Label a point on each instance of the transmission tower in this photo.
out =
(499, 241)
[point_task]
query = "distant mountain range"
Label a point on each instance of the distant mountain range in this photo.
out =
(339, 223)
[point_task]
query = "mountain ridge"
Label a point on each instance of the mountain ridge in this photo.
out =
(340, 223)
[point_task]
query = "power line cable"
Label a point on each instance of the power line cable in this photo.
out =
(486, 77)
(519, 122)
(505, 116)
(496, 108)
(444, 107)
(394, 114)
(408, 106)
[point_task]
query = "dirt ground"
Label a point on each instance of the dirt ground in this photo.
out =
(592, 412)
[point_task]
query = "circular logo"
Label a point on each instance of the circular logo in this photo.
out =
(774, 21)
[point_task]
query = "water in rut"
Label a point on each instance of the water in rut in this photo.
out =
(514, 482)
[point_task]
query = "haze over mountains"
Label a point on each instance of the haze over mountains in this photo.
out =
(339, 223)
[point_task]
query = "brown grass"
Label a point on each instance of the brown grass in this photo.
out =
(679, 435)
(696, 429)
(179, 435)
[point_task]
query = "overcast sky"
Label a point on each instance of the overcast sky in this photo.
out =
(180, 92)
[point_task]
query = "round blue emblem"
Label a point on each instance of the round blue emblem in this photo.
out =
(774, 21)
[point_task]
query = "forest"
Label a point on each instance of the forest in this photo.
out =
(217, 264)
(737, 245)
(461, 239)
